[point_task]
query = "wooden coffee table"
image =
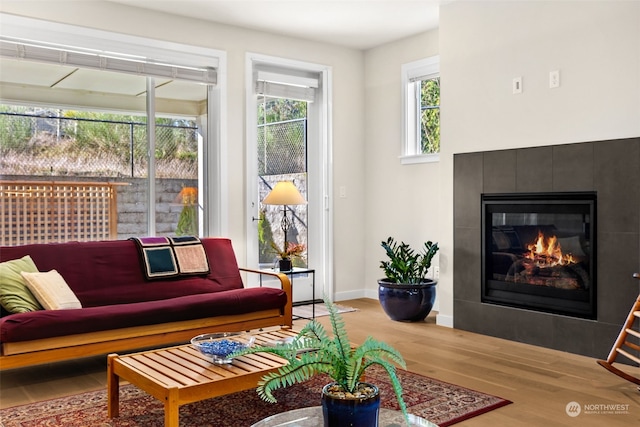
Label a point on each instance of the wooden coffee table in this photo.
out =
(180, 375)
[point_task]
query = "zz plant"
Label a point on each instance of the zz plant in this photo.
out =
(313, 352)
(404, 264)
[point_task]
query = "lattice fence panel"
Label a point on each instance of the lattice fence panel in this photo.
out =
(43, 212)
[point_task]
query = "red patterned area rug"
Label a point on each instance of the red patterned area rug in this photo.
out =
(439, 402)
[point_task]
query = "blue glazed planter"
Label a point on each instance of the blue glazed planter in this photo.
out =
(404, 302)
(339, 412)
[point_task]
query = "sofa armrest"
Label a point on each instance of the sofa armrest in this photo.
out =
(285, 284)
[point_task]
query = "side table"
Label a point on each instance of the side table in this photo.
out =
(296, 271)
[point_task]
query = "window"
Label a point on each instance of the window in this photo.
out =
(421, 110)
(123, 102)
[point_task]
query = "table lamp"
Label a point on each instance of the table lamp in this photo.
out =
(284, 193)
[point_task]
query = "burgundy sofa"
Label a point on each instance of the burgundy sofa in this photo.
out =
(122, 310)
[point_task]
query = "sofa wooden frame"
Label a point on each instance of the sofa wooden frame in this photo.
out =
(48, 350)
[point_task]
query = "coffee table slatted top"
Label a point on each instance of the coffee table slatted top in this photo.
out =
(181, 374)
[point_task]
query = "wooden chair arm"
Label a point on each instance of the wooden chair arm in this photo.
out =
(285, 284)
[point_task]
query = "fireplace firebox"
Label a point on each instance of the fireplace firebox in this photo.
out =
(539, 252)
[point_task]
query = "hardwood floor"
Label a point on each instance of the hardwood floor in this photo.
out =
(539, 381)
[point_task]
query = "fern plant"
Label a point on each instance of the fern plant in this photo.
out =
(313, 352)
(405, 265)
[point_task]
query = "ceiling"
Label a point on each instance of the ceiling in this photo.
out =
(359, 24)
(38, 83)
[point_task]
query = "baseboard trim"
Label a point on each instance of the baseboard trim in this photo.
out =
(343, 296)
(444, 320)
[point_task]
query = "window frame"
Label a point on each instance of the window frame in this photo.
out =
(319, 140)
(424, 69)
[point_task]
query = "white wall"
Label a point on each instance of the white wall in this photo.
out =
(483, 45)
(348, 100)
(401, 200)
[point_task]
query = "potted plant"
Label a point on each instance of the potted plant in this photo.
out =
(346, 400)
(287, 254)
(406, 294)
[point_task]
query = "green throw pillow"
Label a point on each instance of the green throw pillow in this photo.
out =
(15, 297)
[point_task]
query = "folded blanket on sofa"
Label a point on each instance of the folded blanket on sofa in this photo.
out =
(164, 257)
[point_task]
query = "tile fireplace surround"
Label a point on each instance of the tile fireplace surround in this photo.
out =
(612, 169)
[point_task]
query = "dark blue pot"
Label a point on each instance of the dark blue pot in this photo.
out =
(339, 412)
(403, 302)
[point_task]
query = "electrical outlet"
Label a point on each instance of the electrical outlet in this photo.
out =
(436, 272)
(554, 79)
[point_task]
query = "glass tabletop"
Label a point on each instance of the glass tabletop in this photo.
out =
(312, 417)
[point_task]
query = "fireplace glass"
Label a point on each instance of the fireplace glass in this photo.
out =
(539, 252)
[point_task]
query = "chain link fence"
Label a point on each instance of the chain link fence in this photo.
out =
(54, 143)
(282, 147)
(58, 143)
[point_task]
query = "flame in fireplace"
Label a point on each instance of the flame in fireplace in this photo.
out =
(547, 252)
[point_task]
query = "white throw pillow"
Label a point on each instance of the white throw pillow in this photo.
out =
(51, 290)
